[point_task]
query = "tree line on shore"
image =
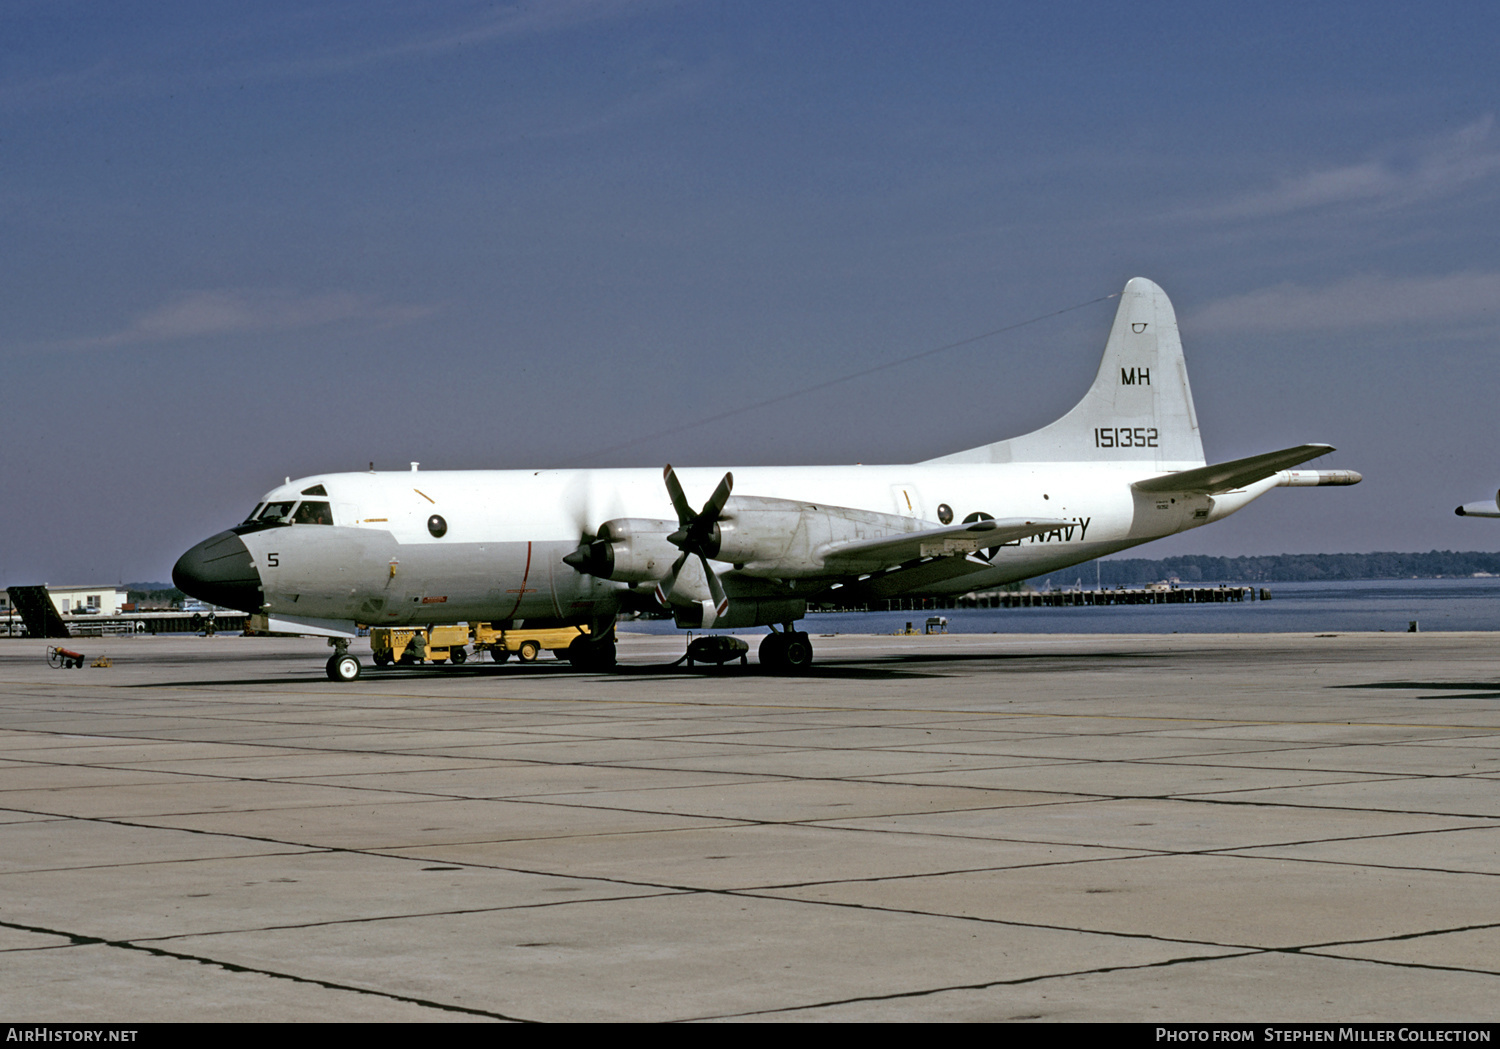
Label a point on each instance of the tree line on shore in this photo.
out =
(1275, 568)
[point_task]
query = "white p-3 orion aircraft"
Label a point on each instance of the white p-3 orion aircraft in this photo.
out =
(325, 554)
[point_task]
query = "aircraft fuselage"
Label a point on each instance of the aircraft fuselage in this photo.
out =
(504, 534)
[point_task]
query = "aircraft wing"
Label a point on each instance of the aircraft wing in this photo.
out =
(1237, 473)
(874, 555)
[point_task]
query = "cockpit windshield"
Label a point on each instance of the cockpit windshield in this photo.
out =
(276, 512)
(286, 512)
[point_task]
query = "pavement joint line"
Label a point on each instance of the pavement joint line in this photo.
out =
(1039, 977)
(1060, 797)
(1491, 825)
(1015, 982)
(387, 851)
(657, 892)
(1358, 864)
(1252, 948)
(1477, 927)
(130, 945)
(1478, 730)
(661, 891)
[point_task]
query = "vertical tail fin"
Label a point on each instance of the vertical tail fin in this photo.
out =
(1140, 408)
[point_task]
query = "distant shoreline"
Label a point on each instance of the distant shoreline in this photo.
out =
(1276, 568)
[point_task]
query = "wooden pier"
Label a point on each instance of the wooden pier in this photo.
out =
(1149, 595)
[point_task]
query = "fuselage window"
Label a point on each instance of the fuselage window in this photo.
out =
(311, 512)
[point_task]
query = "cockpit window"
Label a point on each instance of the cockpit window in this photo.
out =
(276, 512)
(311, 512)
(286, 512)
(316, 489)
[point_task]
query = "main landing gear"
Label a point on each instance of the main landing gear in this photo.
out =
(341, 665)
(786, 651)
(585, 653)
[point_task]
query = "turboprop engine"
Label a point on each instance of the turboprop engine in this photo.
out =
(629, 550)
(760, 537)
(770, 542)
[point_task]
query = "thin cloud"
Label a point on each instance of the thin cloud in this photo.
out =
(237, 311)
(171, 70)
(1435, 169)
(1455, 300)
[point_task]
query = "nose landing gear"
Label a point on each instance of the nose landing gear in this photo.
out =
(341, 665)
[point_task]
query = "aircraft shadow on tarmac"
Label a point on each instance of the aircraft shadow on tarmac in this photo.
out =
(904, 666)
(1471, 689)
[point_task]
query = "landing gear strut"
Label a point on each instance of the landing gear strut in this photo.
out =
(786, 651)
(585, 653)
(341, 665)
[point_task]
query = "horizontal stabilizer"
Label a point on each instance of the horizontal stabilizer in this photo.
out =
(1237, 473)
(872, 555)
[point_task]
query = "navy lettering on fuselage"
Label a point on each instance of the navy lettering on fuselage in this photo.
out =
(1065, 534)
(1133, 376)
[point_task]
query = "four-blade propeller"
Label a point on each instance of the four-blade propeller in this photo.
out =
(698, 533)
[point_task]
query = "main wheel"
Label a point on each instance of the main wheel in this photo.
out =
(342, 668)
(578, 652)
(587, 654)
(529, 651)
(786, 652)
(499, 653)
(798, 653)
(458, 656)
(773, 651)
(602, 655)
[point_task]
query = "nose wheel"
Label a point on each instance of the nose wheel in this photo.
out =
(341, 665)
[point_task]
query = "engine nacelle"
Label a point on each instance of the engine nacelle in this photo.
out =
(628, 549)
(787, 538)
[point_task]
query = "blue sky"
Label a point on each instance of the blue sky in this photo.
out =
(251, 241)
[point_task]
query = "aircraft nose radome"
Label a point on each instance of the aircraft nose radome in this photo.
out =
(219, 571)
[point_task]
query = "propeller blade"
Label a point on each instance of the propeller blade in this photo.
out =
(665, 587)
(715, 505)
(710, 614)
(685, 513)
(715, 588)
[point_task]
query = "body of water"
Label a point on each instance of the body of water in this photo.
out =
(1295, 608)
